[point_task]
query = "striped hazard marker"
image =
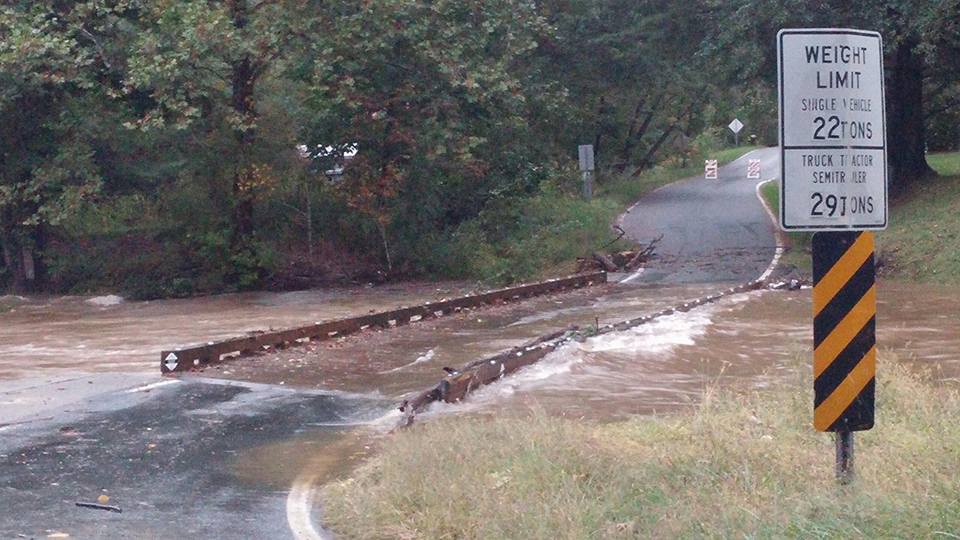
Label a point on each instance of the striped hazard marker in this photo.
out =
(844, 331)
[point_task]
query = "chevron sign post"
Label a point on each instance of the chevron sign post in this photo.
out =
(833, 159)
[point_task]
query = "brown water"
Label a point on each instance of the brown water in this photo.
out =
(105, 333)
(747, 341)
(747, 338)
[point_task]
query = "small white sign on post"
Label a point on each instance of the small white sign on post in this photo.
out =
(753, 169)
(585, 152)
(832, 130)
(710, 169)
(586, 157)
(735, 126)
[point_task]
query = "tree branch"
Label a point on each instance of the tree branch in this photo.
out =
(96, 43)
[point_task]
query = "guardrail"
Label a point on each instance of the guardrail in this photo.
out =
(458, 383)
(201, 356)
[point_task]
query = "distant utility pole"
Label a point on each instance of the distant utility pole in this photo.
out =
(586, 169)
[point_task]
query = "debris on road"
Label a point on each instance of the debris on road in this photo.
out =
(98, 506)
(619, 261)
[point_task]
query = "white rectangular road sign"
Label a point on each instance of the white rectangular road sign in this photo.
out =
(753, 169)
(832, 130)
(585, 152)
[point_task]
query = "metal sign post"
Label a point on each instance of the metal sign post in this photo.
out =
(586, 169)
(834, 179)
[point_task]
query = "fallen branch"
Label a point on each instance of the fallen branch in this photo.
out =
(644, 253)
(614, 241)
(98, 506)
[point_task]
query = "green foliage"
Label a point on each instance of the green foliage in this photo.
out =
(196, 135)
(518, 238)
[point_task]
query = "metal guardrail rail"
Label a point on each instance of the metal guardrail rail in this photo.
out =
(459, 383)
(201, 356)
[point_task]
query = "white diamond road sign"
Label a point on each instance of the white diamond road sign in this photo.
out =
(171, 361)
(832, 130)
(736, 125)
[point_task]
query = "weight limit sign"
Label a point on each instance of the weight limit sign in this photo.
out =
(844, 331)
(832, 130)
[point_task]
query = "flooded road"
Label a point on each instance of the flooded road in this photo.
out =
(748, 342)
(91, 334)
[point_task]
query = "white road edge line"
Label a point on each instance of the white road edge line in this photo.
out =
(151, 386)
(632, 276)
(300, 507)
(778, 234)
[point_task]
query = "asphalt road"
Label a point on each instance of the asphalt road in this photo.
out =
(173, 455)
(713, 230)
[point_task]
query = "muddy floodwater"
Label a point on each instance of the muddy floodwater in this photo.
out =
(746, 341)
(106, 332)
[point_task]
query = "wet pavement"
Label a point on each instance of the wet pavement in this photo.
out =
(713, 231)
(175, 460)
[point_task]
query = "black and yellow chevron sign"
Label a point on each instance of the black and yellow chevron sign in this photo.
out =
(844, 331)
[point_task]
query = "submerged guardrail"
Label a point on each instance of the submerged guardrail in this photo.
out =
(459, 383)
(202, 356)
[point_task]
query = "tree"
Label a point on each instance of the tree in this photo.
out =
(48, 164)
(203, 64)
(433, 98)
(918, 38)
(633, 73)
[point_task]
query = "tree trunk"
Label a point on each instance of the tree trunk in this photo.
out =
(39, 263)
(634, 134)
(12, 253)
(243, 80)
(599, 130)
(386, 246)
(652, 152)
(906, 136)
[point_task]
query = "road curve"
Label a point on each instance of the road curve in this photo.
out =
(713, 230)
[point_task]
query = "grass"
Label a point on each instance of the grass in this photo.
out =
(923, 240)
(738, 466)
